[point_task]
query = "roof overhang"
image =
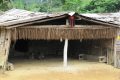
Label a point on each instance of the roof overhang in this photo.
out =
(16, 18)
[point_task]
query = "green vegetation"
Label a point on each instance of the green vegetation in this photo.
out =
(80, 6)
(103, 6)
(5, 5)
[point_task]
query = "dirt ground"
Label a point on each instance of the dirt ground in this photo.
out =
(53, 70)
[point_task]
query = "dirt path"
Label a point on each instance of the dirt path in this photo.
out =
(75, 71)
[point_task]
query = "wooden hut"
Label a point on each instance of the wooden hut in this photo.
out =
(18, 24)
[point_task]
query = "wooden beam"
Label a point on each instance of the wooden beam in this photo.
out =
(33, 22)
(67, 26)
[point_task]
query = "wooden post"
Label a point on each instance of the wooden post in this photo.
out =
(2, 49)
(7, 47)
(67, 22)
(65, 53)
(110, 53)
(115, 55)
(65, 48)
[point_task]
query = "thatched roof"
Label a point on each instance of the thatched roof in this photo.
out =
(18, 17)
(1, 13)
(107, 17)
(36, 25)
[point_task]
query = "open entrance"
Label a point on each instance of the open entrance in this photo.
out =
(37, 52)
(88, 50)
(49, 53)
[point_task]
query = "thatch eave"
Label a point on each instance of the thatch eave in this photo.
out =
(55, 33)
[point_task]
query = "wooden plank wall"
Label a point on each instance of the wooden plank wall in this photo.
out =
(117, 64)
(108, 45)
(2, 49)
(5, 40)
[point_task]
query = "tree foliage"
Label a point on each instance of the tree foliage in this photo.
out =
(103, 6)
(5, 5)
(80, 6)
(72, 5)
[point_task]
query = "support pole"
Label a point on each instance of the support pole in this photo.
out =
(65, 48)
(7, 47)
(65, 53)
(115, 54)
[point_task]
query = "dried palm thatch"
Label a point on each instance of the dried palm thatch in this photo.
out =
(55, 33)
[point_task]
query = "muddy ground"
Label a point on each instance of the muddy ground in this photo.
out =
(53, 70)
